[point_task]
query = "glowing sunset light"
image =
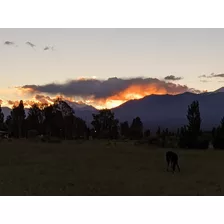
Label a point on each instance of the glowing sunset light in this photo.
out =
(132, 92)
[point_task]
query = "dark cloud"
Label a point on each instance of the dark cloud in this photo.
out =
(212, 75)
(92, 88)
(9, 43)
(48, 48)
(172, 78)
(221, 75)
(1, 101)
(30, 44)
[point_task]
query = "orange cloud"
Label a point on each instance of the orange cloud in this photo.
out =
(131, 93)
(103, 93)
(26, 103)
(41, 100)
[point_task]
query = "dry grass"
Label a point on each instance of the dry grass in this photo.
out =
(95, 168)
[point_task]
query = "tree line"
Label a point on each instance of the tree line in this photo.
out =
(56, 120)
(59, 120)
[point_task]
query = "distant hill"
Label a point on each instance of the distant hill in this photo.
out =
(221, 90)
(170, 110)
(83, 111)
(6, 111)
(80, 107)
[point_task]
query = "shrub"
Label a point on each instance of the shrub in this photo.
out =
(202, 143)
(191, 142)
(218, 142)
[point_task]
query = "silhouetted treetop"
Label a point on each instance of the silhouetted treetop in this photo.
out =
(105, 124)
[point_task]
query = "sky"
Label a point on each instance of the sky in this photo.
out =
(106, 67)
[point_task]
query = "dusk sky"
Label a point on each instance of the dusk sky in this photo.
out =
(139, 58)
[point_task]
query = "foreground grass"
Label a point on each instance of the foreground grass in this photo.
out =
(93, 168)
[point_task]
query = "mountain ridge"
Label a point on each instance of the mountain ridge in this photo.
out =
(170, 110)
(167, 111)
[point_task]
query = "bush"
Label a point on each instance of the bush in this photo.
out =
(218, 137)
(183, 142)
(201, 142)
(218, 142)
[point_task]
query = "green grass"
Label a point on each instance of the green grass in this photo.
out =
(93, 168)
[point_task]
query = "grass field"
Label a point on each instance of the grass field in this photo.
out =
(93, 168)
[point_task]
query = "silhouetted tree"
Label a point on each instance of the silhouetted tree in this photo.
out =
(213, 132)
(67, 115)
(158, 132)
(218, 136)
(163, 135)
(147, 133)
(80, 128)
(190, 136)
(58, 119)
(57, 124)
(194, 119)
(35, 118)
(18, 116)
(136, 129)
(9, 124)
(93, 133)
(124, 128)
(48, 119)
(194, 124)
(105, 125)
(167, 133)
(88, 133)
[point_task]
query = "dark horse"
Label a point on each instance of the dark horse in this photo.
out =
(172, 160)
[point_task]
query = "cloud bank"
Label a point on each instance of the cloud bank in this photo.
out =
(109, 93)
(106, 88)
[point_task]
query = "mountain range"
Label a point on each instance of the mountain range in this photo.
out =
(166, 111)
(169, 111)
